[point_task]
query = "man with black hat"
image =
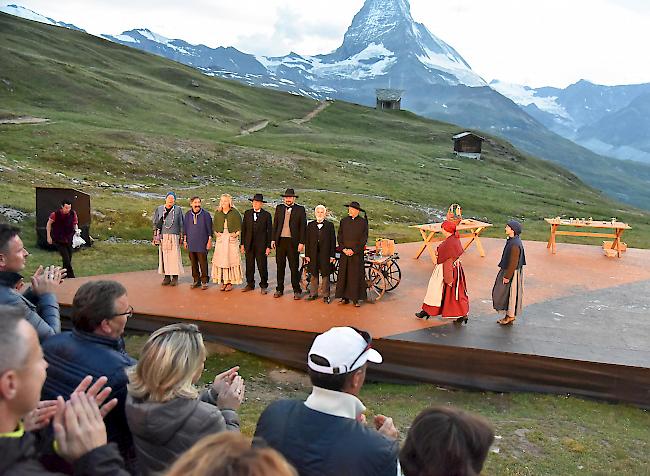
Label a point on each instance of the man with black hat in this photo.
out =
(256, 242)
(353, 235)
(289, 227)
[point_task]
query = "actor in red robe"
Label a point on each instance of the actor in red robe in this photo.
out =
(447, 290)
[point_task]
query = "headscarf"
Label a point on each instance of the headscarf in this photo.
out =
(450, 227)
(515, 226)
(172, 194)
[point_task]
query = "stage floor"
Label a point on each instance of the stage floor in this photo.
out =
(581, 309)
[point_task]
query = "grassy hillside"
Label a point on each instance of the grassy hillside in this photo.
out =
(126, 126)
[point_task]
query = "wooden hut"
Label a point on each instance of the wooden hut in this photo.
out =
(468, 144)
(389, 99)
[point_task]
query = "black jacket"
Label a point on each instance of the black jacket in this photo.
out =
(297, 223)
(33, 454)
(318, 444)
(262, 238)
(162, 431)
(320, 251)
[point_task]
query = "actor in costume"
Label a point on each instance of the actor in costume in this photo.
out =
(320, 254)
(197, 226)
(61, 227)
(226, 260)
(289, 225)
(168, 231)
(353, 235)
(447, 290)
(256, 242)
(508, 290)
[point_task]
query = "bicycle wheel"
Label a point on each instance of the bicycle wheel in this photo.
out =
(334, 275)
(392, 273)
(305, 277)
(375, 282)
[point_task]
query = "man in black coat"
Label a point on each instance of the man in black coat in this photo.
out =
(289, 226)
(256, 242)
(320, 254)
(353, 235)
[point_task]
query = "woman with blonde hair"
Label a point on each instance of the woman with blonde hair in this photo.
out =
(164, 409)
(226, 260)
(229, 454)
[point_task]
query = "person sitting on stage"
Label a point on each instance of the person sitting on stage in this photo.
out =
(165, 412)
(320, 254)
(353, 235)
(26, 444)
(230, 454)
(508, 290)
(100, 310)
(39, 301)
(447, 290)
(168, 236)
(443, 441)
(327, 434)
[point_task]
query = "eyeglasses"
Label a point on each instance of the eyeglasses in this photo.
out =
(128, 314)
(368, 338)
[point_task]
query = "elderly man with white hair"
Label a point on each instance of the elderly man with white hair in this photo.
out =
(320, 254)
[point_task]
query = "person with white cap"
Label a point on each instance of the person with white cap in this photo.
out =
(327, 433)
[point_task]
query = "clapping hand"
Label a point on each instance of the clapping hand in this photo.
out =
(47, 280)
(97, 392)
(386, 427)
(233, 395)
(78, 426)
(41, 416)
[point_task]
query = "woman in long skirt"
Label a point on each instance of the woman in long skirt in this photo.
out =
(447, 290)
(168, 236)
(508, 290)
(226, 260)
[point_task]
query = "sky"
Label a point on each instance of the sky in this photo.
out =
(549, 43)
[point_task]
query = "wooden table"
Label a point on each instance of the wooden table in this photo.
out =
(618, 227)
(468, 228)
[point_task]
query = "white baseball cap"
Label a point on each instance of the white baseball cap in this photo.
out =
(344, 348)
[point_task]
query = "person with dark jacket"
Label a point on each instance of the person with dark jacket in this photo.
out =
(508, 289)
(289, 228)
(39, 301)
(95, 346)
(353, 235)
(320, 254)
(61, 227)
(326, 434)
(256, 242)
(165, 412)
(81, 445)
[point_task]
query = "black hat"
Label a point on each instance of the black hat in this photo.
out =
(355, 205)
(289, 193)
(258, 197)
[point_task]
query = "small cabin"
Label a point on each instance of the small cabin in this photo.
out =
(468, 144)
(48, 199)
(389, 99)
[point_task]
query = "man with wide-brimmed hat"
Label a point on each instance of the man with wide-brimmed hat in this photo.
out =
(353, 235)
(289, 227)
(256, 242)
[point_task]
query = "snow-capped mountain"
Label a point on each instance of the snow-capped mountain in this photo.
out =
(588, 113)
(28, 14)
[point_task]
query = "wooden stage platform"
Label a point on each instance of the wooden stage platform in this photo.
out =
(585, 327)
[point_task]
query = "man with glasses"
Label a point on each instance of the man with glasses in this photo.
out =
(100, 310)
(327, 433)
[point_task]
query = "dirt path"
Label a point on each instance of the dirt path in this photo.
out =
(321, 107)
(254, 127)
(24, 120)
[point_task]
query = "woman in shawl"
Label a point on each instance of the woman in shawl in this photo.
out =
(226, 260)
(447, 291)
(168, 236)
(508, 290)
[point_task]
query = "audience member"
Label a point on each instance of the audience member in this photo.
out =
(444, 441)
(39, 302)
(95, 347)
(79, 431)
(230, 454)
(327, 434)
(165, 412)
